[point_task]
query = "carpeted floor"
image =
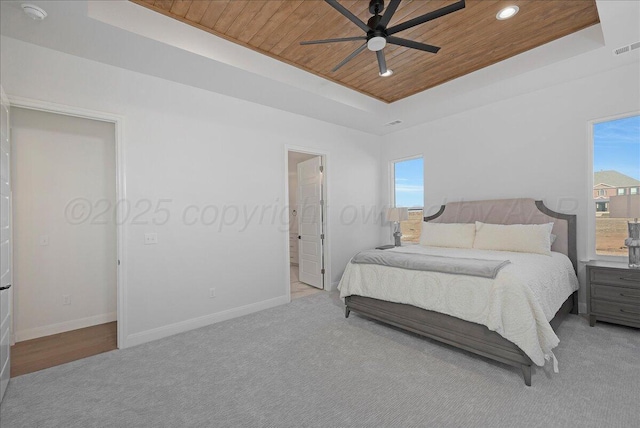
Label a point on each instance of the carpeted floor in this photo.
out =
(304, 365)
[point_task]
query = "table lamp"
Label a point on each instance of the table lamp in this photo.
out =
(397, 215)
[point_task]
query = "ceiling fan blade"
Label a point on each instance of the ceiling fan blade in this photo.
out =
(388, 14)
(382, 63)
(344, 39)
(411, 44)
(426, 17)
(350, 57)
(343, 10)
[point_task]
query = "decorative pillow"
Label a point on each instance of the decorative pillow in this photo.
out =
(453, 235)
(522, 238)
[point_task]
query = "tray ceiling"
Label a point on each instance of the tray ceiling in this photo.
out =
(470, 39)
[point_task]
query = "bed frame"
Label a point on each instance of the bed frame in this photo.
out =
(466, 335)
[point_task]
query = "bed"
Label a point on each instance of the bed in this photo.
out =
(360, 295)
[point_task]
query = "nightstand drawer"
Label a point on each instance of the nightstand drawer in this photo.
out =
(618, 310)
(626, 278)
(617, 294)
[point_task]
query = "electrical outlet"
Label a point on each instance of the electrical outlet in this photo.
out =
(44, 240)
(212, 293)
(66, 299)
(150, 238)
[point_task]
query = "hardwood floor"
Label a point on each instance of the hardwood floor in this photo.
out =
(300, 289)
(44, 352)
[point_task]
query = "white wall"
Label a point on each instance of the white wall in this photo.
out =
(195, 148)
(56, 160)
(533, 145)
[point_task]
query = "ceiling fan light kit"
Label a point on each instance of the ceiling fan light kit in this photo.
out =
(376, 43)
(378, 35)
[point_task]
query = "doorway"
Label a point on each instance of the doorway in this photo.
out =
(65, 246)
(306, 187)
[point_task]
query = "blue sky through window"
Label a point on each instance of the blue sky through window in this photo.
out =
(616, 146)
(409, 183)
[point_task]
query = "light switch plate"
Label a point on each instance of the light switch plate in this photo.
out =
(150, 238)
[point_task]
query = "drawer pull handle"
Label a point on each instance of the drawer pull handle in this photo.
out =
(629, 312)
(630, 296)
(628, 278)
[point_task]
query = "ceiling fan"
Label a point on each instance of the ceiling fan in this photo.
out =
(378, 35)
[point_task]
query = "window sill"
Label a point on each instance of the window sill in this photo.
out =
(604, 258)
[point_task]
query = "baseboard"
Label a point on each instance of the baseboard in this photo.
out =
(181, 327)
(48, 330)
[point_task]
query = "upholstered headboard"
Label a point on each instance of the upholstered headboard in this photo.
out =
(514, 211)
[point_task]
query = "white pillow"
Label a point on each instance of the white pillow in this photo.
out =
(453, 235)
(523, 238)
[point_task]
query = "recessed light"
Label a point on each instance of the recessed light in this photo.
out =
(507, 12)
(34, 11)
(387, 73)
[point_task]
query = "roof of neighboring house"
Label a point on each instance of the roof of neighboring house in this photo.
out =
(614, 178)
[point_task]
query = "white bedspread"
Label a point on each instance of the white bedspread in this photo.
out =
(518, 304)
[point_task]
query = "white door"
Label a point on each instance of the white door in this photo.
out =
(310, 222)
(5, 248)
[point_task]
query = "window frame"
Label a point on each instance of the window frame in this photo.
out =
(591, 206)
(392, 181)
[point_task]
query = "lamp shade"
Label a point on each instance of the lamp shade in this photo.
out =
(397, 214)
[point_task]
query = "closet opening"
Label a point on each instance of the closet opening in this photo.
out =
(64, 173)
(306, 192)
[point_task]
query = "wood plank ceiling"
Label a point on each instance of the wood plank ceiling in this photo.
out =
(470, 39)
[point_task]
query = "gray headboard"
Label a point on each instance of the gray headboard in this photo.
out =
(514, 211)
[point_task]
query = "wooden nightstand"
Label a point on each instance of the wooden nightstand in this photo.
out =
(613, 293)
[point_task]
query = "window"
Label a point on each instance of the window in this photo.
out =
(408, 191)
(616, 164)
(602, 192)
